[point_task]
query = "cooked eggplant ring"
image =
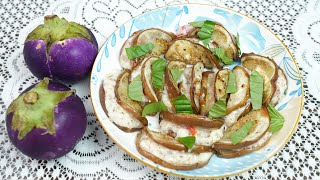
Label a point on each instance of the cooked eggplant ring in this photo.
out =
(220, 38)
(191, 53)
(158, 37)
(174, 159)
(117, 114)
(267, 68)
(261, 123)
(172, 143)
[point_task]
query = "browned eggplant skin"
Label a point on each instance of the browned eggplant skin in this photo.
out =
(176, 145)
(273, 80)
(244, 101)
(221, 145)
(172, 35)
(205, 104)
(193, 92)
(236, 153)
(216, 88)
(191, 119)
(201, 54)
(135, 114)
(163, 162)
(147, 91)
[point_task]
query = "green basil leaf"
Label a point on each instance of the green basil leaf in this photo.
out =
(176, 73)
(219, 109)
(232, 84)
(182, 105)
(220, 53)
(153, 108)
(135, 91)
(137, 51)
(238, 43)
(276, 119)
(188, 141)
(197, 23)
(157, 72)
(206, 30)
(256, 89)
(241, 133)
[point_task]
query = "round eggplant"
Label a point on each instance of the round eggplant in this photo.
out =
(61, 50)
(46, 121)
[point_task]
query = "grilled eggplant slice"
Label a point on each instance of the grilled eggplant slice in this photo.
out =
(240, 97)
(192, 120)
(172, 143)
(267, 68)
(261, 125)
(195, 88)
(207, 97)
(228, 153)
(125, 62)
(147, 84)
(220, 38)
(169, 158)
(121, 93)
(221, 83)
(158, 37)
(118, 115)
(281, 87)
(171, 89)
(191, 53)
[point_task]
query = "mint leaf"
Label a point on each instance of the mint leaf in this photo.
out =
(276, 119)
(188, 141)
(175, 73)
(196, 23)
(154, 107)
(241, 133)
(157, 71)
(182, 105)
(220, 53)
(256, 89)
(137, 51)
(219, 109)
(206, 30)
(232, 84)
(135, 91)
(238, 43)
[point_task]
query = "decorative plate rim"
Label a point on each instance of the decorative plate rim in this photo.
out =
(204, 176)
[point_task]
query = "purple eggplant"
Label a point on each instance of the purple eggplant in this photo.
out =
(61, 50)
(46, 121)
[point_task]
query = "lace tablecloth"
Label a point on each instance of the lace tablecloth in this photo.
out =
(296, 22)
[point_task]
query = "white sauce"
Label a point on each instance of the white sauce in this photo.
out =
(281, 86)
(166, 100)
(231, 118)
(186, 82)
(115, 112)
(178, 158)
(204, 136)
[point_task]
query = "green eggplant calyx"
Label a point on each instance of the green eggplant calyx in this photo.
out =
(35, 109)
(57, 29)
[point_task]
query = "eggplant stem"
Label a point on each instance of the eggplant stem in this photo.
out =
(30, 97)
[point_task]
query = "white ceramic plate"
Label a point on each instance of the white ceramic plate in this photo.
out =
(254, 37)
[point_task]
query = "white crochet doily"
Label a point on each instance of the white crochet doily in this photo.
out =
(296, 22)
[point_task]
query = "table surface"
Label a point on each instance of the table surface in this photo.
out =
(296, 22)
